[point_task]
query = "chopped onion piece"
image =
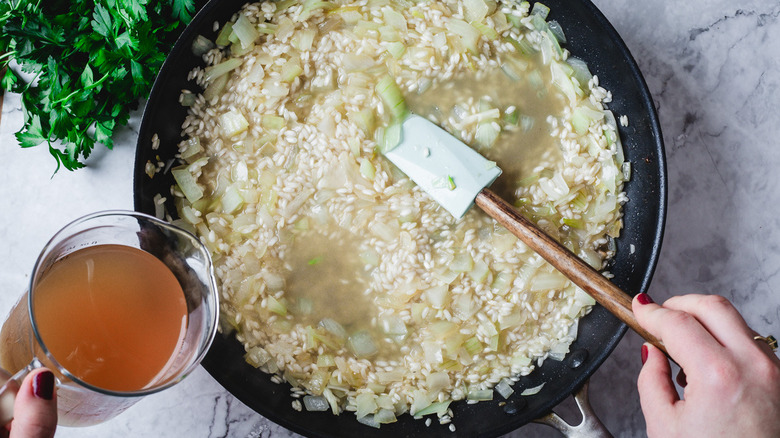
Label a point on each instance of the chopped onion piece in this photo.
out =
(311, 6)
(201, 45)
(396, 49)
(283, 5)
(535, 389)
(509, 70)
(369, 257)
(562, 80)
(394, 18)
(383, 230)
(366, 404)
(223, 38)
(353, 62)
(256, 73)
(475, 10)
(487, 134)
(468, 34)
(437, 296)
(462, 262)
(333, 401)
(315, 403)
(291, 70)
(257, 356)
(504, 387)
(387, 377)
(541, 10)
(361, 344)
(558, 351)
(438, 408)
(521, 360)
(191, 148)
(245, 31)
(369, 420)
(215, 88)
(557, 31)
(437, 381)
(385, 416)
(364, 119)
(585, 298)
(276, 306)
(303, 39)
(548, 281)
(220, 69)
(296, 203)
(272, 123)
(626, 170)
(367, 169)
(187, 183)
(333, 327)
(231, 200)
(391, 137)
(480, 271)
(581, 71)
(267, 28)
(233, 123)
(473, 345)
(582, 117)
(480, 395)
(392, 97)
(393, 325)
(502, 283)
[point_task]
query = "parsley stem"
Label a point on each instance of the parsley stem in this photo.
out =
(7, 55)
(89, 87)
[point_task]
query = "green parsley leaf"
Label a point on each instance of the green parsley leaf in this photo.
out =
(183, 10)
(101, 21)
(89, 62)
(11, 81)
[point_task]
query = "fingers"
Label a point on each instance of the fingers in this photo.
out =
(717, 315)
(657, 394)
(684, 337)
(720, 319)
(35, 409)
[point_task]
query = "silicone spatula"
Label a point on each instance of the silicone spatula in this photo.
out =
(457, 177)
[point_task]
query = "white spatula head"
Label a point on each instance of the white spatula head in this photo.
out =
(447, 169)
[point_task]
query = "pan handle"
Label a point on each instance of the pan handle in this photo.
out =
(589, 427)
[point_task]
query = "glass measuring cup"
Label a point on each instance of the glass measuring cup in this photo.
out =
(23, 346)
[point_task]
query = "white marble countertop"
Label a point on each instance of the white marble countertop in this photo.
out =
(712, 67)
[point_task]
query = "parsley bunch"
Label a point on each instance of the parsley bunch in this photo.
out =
(90, 62)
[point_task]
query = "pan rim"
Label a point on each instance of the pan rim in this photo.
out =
(212, 362)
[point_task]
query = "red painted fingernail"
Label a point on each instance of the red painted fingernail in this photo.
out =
(43, 385)
(644, 298)
(644, 354)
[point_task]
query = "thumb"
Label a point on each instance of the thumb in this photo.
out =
(35, 408)
(657, 394)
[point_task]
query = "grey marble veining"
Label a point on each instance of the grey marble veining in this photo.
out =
(712, 67)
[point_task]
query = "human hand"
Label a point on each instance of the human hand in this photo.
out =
(731, 381)
(35, 407)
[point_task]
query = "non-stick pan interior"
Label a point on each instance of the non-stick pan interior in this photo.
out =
(591, 38)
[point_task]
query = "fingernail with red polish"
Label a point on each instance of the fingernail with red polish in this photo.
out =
(644, 354)
(644, 298)
(43, 385)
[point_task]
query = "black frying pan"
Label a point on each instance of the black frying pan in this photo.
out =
(591, 38)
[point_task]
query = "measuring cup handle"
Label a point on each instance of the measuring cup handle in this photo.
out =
(11, 385)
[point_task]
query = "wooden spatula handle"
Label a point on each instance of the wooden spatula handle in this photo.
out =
(576, 270)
